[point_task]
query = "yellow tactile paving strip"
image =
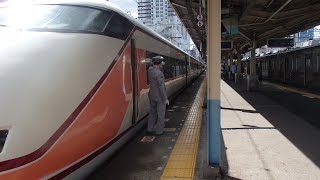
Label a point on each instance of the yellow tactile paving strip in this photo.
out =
(295, 90)
(182, 161)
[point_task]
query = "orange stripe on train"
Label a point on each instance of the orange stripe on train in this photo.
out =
(96, 125)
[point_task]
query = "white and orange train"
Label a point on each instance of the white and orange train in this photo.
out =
(73, 85)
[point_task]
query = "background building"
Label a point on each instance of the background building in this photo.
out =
(304, 36)
(160, 16)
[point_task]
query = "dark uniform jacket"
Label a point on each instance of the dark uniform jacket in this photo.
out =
(157, 90)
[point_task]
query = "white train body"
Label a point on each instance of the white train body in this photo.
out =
(71, 97)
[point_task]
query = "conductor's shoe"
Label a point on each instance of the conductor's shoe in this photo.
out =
(159, 133)
(149, 132)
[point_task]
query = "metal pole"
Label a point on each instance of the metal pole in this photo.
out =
(238, 61)
(253, 57)
(238, 73)
(214, 68)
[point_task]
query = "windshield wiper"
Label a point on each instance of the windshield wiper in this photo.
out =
(2, 25)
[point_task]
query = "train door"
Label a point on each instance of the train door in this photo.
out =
(266, 67)
(271, 67)
(135, 93)
(307, 69)
(286, 69)
(281, 69)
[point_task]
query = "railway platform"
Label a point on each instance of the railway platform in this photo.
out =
(268, 134)
(261, 139)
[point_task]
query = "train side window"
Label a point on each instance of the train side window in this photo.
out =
(180, 67)
(168, 68)
(119, 27)
(177, 68)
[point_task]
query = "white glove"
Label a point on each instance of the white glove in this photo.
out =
(167, 102)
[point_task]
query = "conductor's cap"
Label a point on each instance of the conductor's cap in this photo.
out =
(157, 59)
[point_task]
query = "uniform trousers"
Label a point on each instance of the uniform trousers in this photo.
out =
(156, 116)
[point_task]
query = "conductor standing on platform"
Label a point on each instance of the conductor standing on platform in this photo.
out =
(157, 97)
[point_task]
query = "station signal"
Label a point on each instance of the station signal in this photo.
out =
(289, 42)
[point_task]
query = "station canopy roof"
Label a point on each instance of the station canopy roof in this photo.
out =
(244, 19)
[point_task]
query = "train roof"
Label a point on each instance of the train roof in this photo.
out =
(102, 4)
(292, 50)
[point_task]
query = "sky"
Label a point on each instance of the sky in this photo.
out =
(127, 5)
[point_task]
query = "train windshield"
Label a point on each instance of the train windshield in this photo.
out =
(55, 18)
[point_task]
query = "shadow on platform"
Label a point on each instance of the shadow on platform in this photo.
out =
(300, 133)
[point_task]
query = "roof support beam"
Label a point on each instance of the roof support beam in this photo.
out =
(259, 14)
(275, 13)
(269, 3)
(192, 16)
(248, 7)
(284, 5)
(243, 34)
(179, 5)
(299, 11)
(295, 23)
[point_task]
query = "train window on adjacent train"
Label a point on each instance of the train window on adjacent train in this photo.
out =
(119, 27)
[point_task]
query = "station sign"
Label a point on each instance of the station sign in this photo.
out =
(226, 45)
(288, 42)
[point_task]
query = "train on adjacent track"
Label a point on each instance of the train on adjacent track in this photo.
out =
(74, 85)
(298, 66)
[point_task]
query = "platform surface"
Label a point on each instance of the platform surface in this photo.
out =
(265, 137)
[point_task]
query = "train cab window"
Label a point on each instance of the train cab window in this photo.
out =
(55, 18)
(119, 27)
(99, 22)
